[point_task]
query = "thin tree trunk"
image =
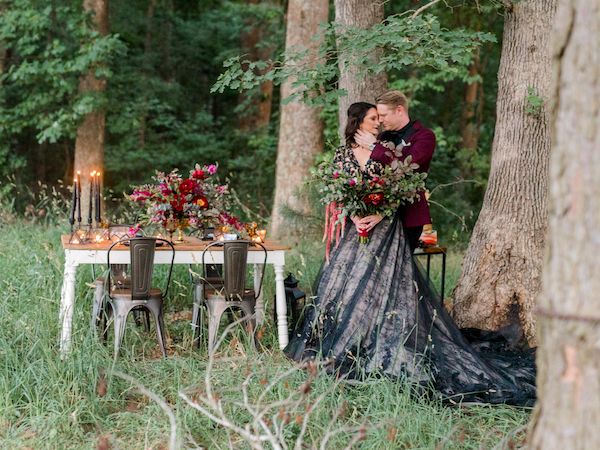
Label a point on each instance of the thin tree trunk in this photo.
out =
(469, 123)
(146, 72)
(358, 14)
(258, 114)
(89, 144)
(502, 268)
(568, 408)
(300, 128)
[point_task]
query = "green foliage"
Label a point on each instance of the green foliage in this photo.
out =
(402, 43)
(51, 47)
(533, 102)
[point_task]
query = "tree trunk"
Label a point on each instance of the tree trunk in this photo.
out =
(147, 68)
(300, 128)
(359, 14)
(502, 268)
(258, 114)
(568, 408)
(89, 144)
(469, 123)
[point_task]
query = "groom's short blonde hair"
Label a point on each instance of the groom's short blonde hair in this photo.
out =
(393, 99)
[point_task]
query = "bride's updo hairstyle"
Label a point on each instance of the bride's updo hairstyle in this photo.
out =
(356, 115)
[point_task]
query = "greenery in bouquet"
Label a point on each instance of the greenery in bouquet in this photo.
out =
(347, 195)
(197, 200)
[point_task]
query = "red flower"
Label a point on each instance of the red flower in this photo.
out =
(187, 186)
(177, 204)
(374, 199)
(202, 202)
(199, 174)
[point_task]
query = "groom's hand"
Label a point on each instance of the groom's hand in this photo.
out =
(364, 139)
(369, 222)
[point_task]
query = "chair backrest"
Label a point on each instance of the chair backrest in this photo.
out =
(141, 251)
(235, 259)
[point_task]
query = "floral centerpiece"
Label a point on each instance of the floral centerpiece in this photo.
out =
(176, 202)
(346, 195)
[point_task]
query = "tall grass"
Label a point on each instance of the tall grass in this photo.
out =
(78, 402)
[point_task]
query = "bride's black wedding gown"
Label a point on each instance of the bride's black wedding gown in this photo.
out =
(375, 313)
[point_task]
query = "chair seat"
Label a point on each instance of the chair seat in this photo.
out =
(126, 294)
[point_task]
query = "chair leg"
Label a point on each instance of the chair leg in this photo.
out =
(97, 307)
(155, 308)
(197, 313)
(120, 321)
(250, 316)
(215, 311)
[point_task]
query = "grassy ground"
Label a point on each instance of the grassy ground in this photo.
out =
(80, 402)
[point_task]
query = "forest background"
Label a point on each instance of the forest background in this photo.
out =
(162, 58)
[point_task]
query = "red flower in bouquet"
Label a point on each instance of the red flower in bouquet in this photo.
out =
(202, 202)
(198, 174)
(374, 199)
(187, 186)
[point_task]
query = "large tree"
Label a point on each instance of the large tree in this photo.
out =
(568, 407)
(89, 144)
(300, 128)
(358, 86)
(501, 274)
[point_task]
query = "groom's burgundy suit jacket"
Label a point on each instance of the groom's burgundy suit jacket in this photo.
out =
(421, 145)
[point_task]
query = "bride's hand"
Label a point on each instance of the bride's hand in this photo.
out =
(369, 222)
(364, 139)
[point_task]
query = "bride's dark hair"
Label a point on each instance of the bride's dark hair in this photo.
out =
(356, 115)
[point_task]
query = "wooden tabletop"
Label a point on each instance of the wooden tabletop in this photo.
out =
(190, 243)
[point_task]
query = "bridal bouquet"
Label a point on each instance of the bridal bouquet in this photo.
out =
(346, 195)
(190, 200)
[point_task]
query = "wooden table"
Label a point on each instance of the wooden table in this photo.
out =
(188, 252)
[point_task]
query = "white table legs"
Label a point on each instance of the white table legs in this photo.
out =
(260, 303)
(67, 303)
(281, 307)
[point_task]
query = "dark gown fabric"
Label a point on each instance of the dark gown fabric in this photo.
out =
(375, 313)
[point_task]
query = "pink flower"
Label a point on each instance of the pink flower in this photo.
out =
(336, 174)
(221, 189)
(352, 182)
(211, 169)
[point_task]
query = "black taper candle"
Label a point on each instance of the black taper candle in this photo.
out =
(98, 199)
(91, 199)
(73, 203)
(78, 198)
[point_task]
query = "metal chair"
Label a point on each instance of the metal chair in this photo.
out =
(140, 294)
(120, 275)
(231, 291)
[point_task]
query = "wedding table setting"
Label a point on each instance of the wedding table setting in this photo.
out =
(173, 204)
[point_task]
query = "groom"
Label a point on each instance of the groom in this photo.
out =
(392, 108)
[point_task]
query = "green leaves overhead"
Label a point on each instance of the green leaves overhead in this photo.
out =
(417, 50)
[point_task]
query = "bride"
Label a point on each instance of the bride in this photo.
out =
(376, 313)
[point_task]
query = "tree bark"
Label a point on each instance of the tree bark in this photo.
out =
(89, 143)
(147, 68)
(359, 14)
(501, 274)
(568, 408)
(258, 114)
(469, 123)
(300, 127)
